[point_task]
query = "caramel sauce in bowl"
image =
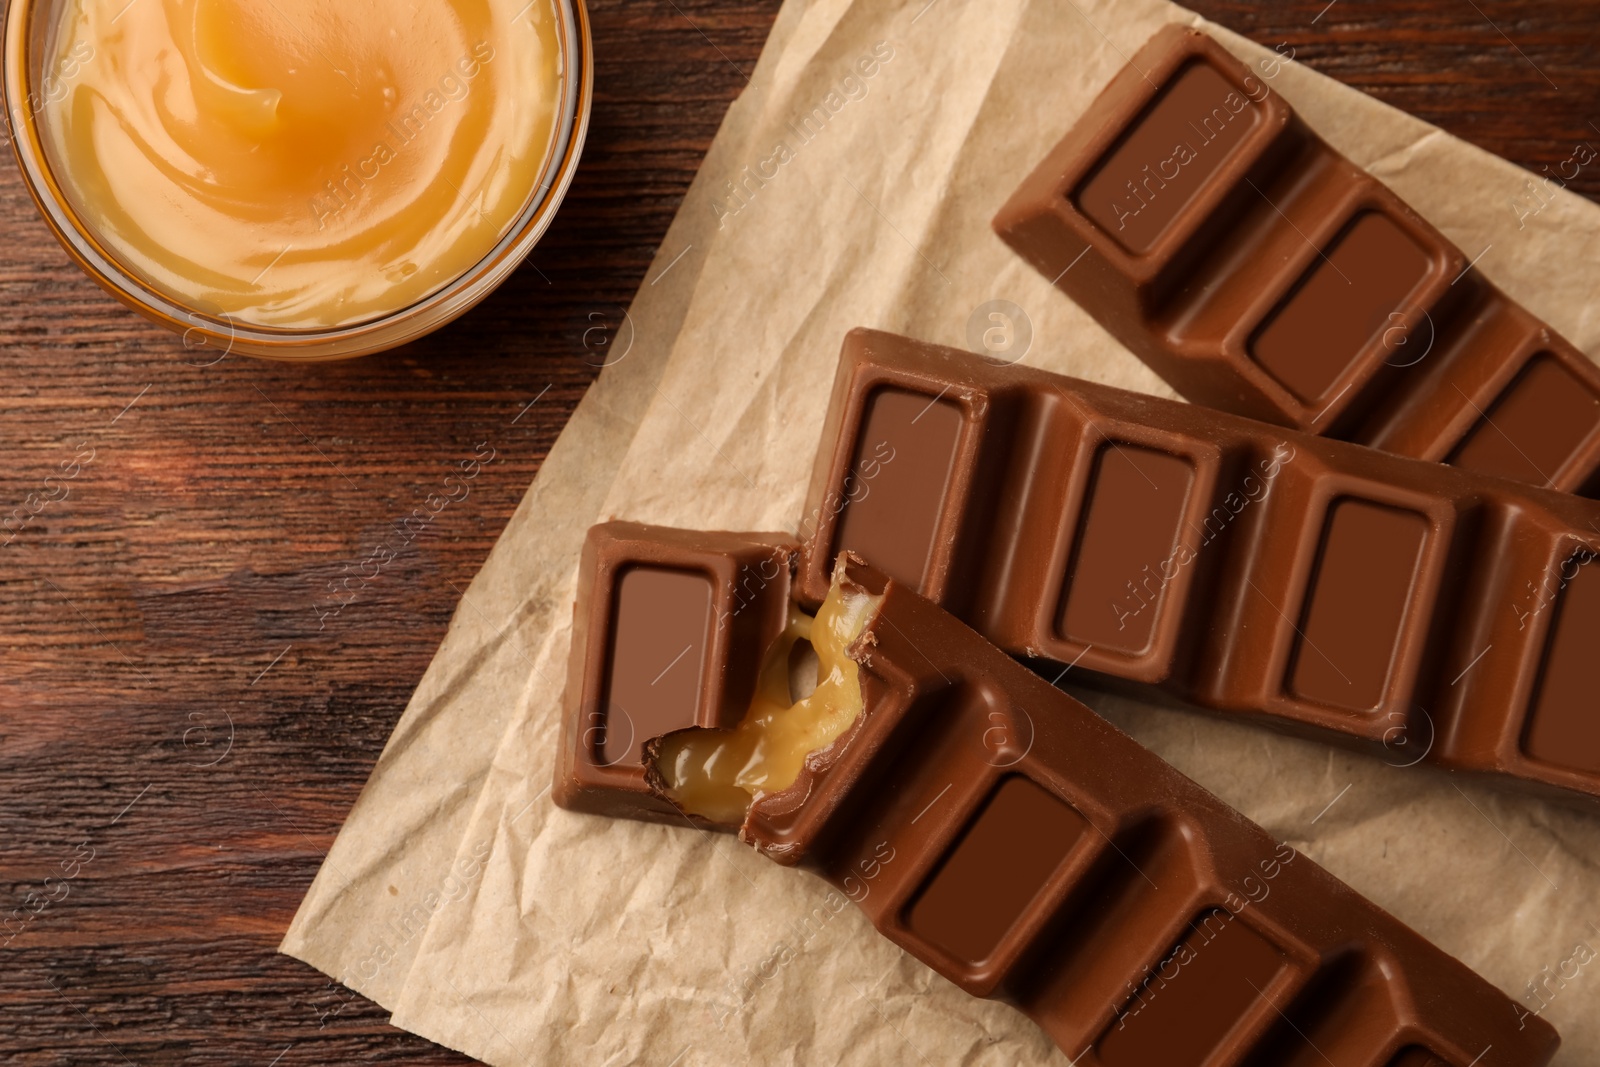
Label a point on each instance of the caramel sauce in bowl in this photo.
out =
(301, 180)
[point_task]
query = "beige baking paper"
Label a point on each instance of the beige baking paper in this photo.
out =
(488, 920)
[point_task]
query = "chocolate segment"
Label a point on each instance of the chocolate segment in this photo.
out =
(1133, 514)
(896, 515)
(1017, 841)
(1542, 419)
(661, 630)
(1027, 850)
(1366, 578)
(1349, 298)
(1565, 726)
(1204, 989)
(669, 628)
(1167, 158)
(1268, 276)
(1406, 607)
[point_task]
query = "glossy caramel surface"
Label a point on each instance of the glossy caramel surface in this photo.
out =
(303, 163)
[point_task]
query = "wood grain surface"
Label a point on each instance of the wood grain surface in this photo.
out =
(187, 712)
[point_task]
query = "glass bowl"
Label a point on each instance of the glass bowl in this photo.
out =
(27, 31)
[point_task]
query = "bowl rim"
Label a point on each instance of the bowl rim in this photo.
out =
(220, 334)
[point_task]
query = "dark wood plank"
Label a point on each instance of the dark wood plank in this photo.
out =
(176, 593)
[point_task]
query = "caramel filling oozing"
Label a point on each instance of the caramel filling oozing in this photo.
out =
(718, 773)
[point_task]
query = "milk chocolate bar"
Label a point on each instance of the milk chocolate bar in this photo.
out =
(1260, 272)
(1412, 608)
(669, 629)
(1027, 850)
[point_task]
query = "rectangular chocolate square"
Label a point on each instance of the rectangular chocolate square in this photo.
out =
(1356, 290)
(1214, 983)
(918, 448)
(1564, 726)
(1128, 538)
(1363, 590)
(896, 516)
(996, 869)
(1535, 431)
(1130, 556)
(652, 685)
(669, 627)
(1172, 153)
(1198, 122)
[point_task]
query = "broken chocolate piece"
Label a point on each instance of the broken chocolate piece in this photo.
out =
(1027, 850)
(669, 630)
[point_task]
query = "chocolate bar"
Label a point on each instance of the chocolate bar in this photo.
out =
(1027, 850)
(1415, 609)
(669, 628)
(1260, 272)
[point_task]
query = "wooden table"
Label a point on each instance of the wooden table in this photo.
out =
(185, 723)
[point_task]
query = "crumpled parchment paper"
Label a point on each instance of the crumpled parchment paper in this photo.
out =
(852, 184)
